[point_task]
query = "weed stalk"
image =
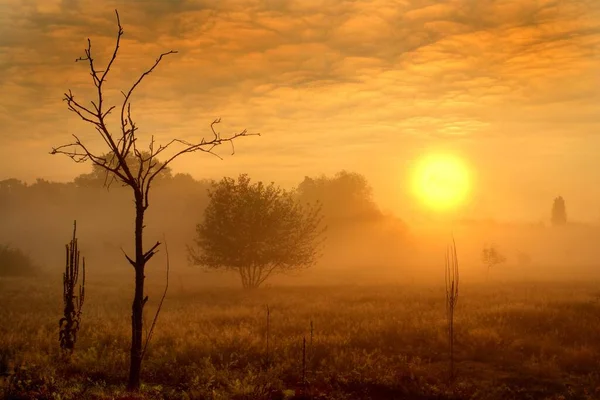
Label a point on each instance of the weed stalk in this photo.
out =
(452, 278)
(70, 323)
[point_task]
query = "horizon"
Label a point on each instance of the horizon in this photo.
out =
(410, 207)
(421, 220)
(374, 94)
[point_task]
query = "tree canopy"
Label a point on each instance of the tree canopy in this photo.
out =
(256, 230)
(15, 262)
(491, 257)
(346, 196)
(559, 212)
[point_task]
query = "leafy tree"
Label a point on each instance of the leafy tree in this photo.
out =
(345, 197)
(492, 257)
(136, 169)
(559, 212)
(256, 230)
(14, 262)
(10, 188)
(12, 185)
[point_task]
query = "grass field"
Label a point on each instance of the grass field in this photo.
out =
(514, 341)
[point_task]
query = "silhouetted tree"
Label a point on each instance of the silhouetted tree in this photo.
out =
(347, 196)
(15, 262)
(256, 230)
(491, 257)
(12, 185)
(9, 189)
(559, 212)
(121, 149)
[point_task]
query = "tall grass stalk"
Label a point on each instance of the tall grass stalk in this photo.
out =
(452, 278)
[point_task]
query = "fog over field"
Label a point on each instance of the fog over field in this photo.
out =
(361, 242)
(303, 199)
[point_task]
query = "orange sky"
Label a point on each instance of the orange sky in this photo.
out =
(512, 86)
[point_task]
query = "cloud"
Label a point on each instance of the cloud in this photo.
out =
(317, 77)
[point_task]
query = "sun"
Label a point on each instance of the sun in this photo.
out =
(441, 181)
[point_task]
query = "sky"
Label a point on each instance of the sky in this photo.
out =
(511, 87)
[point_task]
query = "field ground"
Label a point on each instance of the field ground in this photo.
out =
(514, 341)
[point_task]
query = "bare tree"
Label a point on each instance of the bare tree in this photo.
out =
(139, 175)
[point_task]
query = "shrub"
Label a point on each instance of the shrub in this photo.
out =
(14, 262)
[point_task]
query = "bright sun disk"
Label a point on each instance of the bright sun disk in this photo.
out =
(442, 182)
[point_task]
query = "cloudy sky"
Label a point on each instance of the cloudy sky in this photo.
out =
(511, 86)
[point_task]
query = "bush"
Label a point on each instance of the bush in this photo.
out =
(14, 262)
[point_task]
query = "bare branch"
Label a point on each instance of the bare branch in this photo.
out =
(150, 163)
(212, 128)
(114, 55)
(128, 258)
(204, 146)
(139, 156)
(71, 150)
(108, 112)
(88, 57)
(149, 335)
(77, 108)
(130, 92)
(268, 272)
(97, 118)
(148, 255)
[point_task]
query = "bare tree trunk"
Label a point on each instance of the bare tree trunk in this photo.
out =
(135, 365)
(249, 278)
(125, 163)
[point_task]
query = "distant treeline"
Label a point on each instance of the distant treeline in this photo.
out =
(37, 217)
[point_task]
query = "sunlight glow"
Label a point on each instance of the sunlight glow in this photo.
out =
(441, 182)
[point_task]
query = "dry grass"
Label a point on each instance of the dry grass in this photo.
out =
(522, 341)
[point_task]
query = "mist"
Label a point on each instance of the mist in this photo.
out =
(294, 200)
(362, 244)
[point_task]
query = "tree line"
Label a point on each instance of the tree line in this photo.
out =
(32, 212)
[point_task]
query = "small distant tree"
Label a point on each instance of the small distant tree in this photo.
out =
(347, 196)
(256, 230)
(559, 212)
(491, 257)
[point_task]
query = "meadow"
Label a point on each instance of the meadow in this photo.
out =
(377, 341)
